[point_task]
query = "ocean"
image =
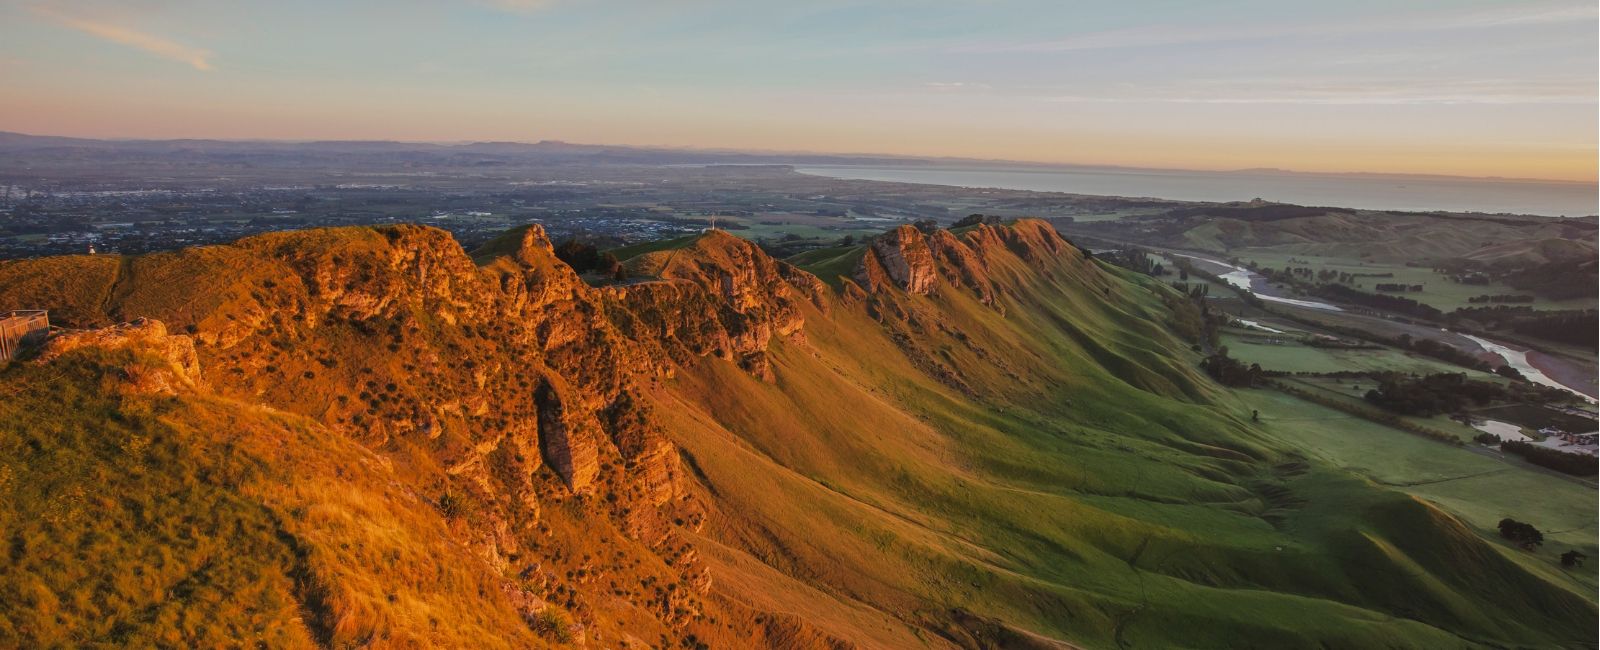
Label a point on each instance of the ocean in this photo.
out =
(1544, 198)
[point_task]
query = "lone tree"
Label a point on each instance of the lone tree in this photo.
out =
(1524, 535)
(1572, 559)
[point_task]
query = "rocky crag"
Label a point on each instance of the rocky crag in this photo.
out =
(451, 450)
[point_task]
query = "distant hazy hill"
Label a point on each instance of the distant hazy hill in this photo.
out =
(1368, 234)
(365, 436)
(541, 152)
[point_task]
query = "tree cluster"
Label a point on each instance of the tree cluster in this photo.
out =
(1500, 298)
(1395, 304)
(1229, 371)
(1194, 321)
(1432, 394)
(1522, 534)
(1574, 326)
(1451, 392)
(976, 219)
(1560, 461)
(584, 257)
(1136, 260)
(1557, 280)
(1442, 351)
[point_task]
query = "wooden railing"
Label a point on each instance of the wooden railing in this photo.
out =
(20, 328)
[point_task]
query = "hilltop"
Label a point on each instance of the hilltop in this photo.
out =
(983, 438)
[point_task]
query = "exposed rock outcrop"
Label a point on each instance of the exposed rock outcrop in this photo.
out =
(162, 363)
(566, 437)
(720, 296)
(900, 257)
(961, 265)
(505, 391)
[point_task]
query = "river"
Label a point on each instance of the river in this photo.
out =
(1247, 280)
(1243, 278)
(1519, 359)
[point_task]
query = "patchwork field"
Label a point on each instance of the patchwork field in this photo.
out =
(1473, 485)
(1438, 289)
(1289, 355)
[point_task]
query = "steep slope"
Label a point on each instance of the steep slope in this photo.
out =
(978, 439)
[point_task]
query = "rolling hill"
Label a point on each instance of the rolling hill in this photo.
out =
(372, 437)
(1375, 235)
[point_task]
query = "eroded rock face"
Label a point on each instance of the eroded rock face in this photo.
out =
(962, 266)
(566, 438)
(163, 363)
(722, 296)
(900, 257)
(509, 382)
(1034, 239)
(394, 333)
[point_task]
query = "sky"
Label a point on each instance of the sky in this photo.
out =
(1462, 87)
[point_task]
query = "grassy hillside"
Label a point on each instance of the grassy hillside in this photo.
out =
(382, 451)
(1107, 513)
(190, 521)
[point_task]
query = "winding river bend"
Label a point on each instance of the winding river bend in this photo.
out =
(1519, 359)
(1246, 280)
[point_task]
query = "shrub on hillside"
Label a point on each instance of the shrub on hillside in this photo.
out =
(552, 623)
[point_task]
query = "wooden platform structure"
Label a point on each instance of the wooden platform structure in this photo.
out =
(21, 328)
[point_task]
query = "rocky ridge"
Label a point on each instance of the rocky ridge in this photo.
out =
(365, 437)
(473, 378)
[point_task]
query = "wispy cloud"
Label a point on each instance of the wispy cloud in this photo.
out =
(1398, 92)
(1163, 35)
(197, 58)
(956, 85)
(1583, 12)
(516, 6)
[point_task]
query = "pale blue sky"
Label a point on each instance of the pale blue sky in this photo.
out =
(1469, 87)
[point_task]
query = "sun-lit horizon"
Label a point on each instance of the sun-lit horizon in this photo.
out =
(930, 155)
(1476, 89)
(747, 324)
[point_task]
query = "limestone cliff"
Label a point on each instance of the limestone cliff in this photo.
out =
(719, 296)
(901, 258)
(504, 381)
(365, 437)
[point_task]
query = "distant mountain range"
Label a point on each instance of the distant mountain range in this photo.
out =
(547, 151)
(556, 151)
